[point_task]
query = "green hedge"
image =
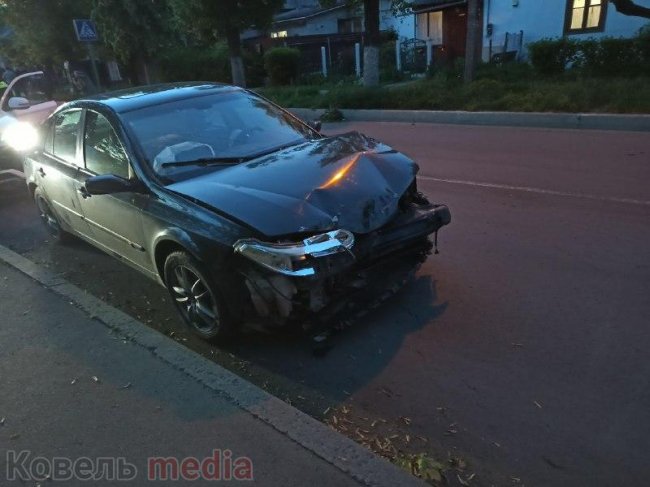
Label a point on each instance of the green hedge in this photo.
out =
(197, 63)
(209, 64)
(281, 65)
(594, 57)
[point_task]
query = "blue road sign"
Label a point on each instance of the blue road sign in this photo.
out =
(86, 30)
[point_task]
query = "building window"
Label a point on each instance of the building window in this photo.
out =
(585, 16)
(281, 33)
(429, 27)
(348, 26)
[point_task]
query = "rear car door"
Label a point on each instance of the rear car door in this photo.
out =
(55, 168)
(115, 220)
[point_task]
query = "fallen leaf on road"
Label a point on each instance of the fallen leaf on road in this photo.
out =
(73, 381)
(95, 379)
(407, 421)
(537, 404)
(127, 385)
(497, 444)
(2, 421)
(386, 391)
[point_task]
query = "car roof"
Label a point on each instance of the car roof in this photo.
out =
(143, 96)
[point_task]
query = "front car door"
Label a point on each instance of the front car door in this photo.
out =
(115, 220)
(35, 88)
(56, 167)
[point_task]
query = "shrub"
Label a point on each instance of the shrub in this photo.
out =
(388, 63)
(608, 57)
(552, 56)
(196, 63)
(281, 64)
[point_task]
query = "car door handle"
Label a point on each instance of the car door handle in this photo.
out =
(83, 192)
(42, 172)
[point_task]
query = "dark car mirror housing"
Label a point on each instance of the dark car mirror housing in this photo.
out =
(317, 125)
(111, 184)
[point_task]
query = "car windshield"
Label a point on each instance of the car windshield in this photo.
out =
(185, 136)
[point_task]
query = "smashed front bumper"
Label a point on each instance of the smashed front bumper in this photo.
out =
(379, 261)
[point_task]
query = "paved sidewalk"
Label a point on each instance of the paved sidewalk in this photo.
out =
(72, 388)
(591, 121)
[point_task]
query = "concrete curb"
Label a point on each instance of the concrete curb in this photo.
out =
(337, 450)
(592, 121)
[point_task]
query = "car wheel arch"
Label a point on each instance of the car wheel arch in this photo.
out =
(165, 247)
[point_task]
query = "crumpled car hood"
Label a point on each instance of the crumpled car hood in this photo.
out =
(348, 181)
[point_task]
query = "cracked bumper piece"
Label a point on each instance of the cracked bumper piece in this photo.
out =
(365, 265)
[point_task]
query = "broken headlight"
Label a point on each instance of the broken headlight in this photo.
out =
(292, 258)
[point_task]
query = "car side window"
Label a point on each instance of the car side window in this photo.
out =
(66, 127)
(103, 151)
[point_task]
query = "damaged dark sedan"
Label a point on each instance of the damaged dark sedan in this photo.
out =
(242, 211)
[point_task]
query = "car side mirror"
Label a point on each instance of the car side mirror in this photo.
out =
(111, 184)
(316, 125)
(18, 103)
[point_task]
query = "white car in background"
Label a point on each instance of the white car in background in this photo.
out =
(25, 103)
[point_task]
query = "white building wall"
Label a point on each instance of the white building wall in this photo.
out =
(545, 18)
(320, 25)
(404, 24)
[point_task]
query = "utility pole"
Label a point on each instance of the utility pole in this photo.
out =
(471, 45)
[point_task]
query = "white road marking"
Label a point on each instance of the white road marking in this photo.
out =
(538, 191)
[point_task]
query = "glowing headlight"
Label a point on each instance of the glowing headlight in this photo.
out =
(20, 136)
(292, 258)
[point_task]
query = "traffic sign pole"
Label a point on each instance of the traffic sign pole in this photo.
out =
(86, 32)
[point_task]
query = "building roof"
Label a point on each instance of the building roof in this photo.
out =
(305, 12)
(431, 5)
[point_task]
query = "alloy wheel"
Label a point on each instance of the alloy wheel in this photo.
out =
(194, 299)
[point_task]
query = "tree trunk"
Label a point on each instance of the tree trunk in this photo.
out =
(371, 43)
(236, 61)
(473, 39)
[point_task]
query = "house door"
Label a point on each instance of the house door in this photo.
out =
(454, 26)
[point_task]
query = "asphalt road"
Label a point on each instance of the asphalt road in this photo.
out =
(519, 351)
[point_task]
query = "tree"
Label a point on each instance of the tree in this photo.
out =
(208, 20)
(371, 43)
(42, 29)
(134, 31)
(628, 7)
(473, 40)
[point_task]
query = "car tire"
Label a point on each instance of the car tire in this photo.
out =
(49, 218)
(197, 297)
